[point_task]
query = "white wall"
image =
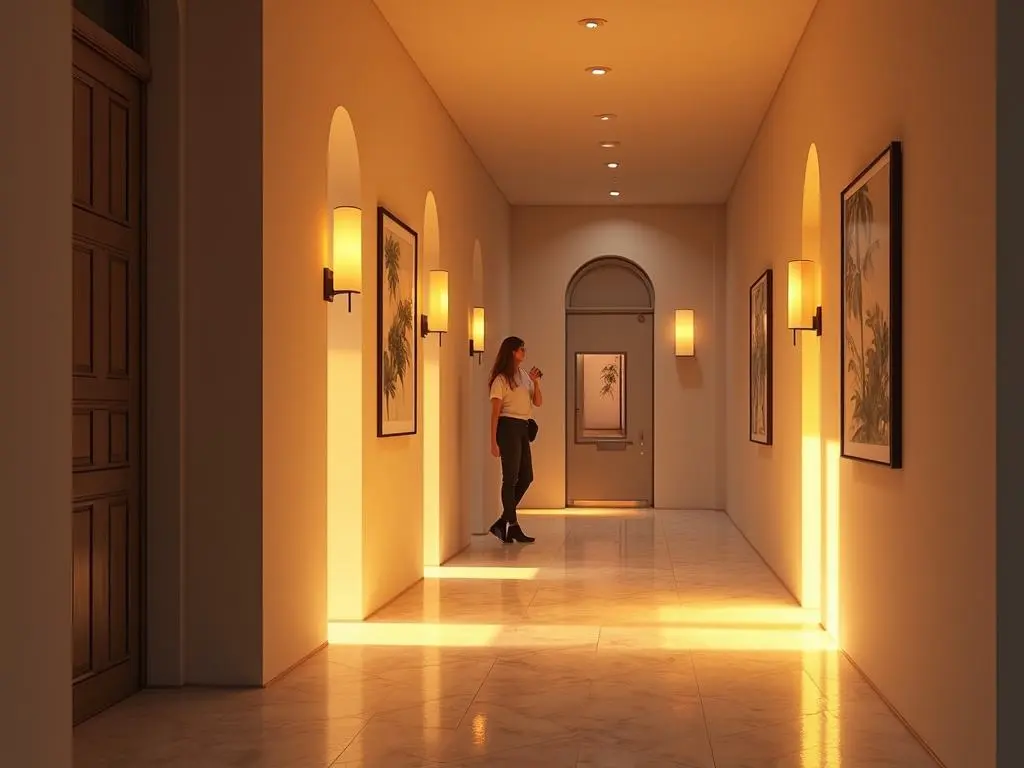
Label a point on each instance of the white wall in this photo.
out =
(916, 569)
(35, 389)
(344, 54)
(224, 393)
(242, 328)
(682, 249)
(165, 280)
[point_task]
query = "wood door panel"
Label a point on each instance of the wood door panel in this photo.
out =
(82, 100)
(82, 308)
(119, 318)
(101, 439)
(118, 578)
(82, 452)
(106, 383)
(119, 167)
(81, 589)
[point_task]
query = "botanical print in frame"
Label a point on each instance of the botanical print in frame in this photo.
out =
(397, 370)
(871, 373)
(760, 330)
(601, 396)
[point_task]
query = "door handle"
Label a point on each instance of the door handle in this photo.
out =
(641, 442)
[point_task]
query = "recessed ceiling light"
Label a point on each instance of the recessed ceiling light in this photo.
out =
(599, 70)
(613, 165)
(614, 193)
(609, 144)
(593, 23)
(605, 117)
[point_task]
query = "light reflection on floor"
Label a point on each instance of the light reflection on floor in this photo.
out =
(621, 638)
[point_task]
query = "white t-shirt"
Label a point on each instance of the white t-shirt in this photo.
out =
(515, 403)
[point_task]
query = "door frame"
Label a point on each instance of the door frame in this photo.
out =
(93, 35)
(651, 311)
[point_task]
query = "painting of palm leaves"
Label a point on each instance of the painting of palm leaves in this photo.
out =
(609, 379)
(761, 359)
(600, 396)
(871, 252)
(397, 253)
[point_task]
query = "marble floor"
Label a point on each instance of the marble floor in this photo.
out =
(619, 639)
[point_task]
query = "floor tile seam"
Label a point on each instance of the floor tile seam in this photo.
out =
(350, 742)
(703, 712)
(476, 693)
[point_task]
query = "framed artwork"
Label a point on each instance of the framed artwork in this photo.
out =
(872, 330)
(397, 343)
(600, 396)
(761, 359)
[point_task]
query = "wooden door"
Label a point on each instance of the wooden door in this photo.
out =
(106, 456)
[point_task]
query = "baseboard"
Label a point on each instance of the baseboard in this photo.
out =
(896, 713)
(889, 705)
(767, 565)
(460, 550)
(294, 666)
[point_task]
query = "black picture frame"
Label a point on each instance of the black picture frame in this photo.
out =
(397, 306)
(760, 358)
(871, 273)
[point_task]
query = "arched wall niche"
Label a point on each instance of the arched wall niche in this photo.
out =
(812, 585)
(344, 392)
(476, 403)
(431, 259)
(823, 529)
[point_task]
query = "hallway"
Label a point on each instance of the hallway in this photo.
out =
(625, 638)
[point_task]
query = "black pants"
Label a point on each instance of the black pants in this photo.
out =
(516, 464)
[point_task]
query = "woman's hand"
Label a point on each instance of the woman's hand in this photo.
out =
(495, 450)
(535, 373)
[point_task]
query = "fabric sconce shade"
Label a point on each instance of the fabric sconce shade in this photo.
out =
(684, 333)
(802, 307)
(437, 301)
(347, 249)
(476, 338)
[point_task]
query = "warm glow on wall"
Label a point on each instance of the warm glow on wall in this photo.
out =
(345, 275)
(832, 593)
(684, 333)
(804, 311)
(477, 328)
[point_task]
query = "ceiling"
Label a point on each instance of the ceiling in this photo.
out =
(690, 82)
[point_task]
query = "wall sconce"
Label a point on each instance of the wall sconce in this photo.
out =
(684, 333)
(436, 319)
(476, 334)
(346, 276)
(804, 311)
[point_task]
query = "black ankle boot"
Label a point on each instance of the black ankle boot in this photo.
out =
(515, 533)
(500, 531)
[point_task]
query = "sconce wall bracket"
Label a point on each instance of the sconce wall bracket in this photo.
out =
(815, 325)
(478, 354)
(330, 293)
(425, 329)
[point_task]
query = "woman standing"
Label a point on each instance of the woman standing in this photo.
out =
(514, 394)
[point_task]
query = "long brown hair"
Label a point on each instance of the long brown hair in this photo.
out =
(505, 361)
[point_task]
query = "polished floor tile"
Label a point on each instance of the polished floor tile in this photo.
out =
(620, 639)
